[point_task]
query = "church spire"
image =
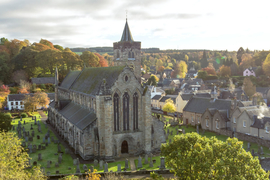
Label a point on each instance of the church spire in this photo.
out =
(126, 36)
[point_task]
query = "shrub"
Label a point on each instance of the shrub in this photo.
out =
(8, 115)
(24, 115)
(42, 86)
(13, 90)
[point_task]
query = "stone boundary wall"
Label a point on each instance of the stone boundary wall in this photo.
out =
(245, 137)
(142, 172)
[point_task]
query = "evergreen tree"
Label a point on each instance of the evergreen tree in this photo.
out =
(240, 52)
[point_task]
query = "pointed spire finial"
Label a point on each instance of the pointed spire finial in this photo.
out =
(126, 14)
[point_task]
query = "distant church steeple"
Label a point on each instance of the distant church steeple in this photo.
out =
(128, 52)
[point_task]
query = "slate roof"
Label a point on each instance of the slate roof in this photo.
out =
(187, 96)
(260, 122)
(43, 80)
(244, 103)
(224, 114)
(78, 115)
(69, 79)
(172, 97)
(156, 97)
(126, 36)
(262, 90)
(166, 82)
(90, 79)
(199, 104)
(20, 97)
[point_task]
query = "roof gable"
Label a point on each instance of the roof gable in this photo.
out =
(69, 79)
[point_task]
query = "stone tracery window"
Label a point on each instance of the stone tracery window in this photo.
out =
(125, 111)
(116, 111)
(135, 111)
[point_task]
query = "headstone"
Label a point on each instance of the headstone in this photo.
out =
(52, 138)
(101, 164)
(126, 164)
(183, 131)
(74, 162)
(35, 163)
(46, 144)
(23, 144)
(162, 163)
(43, 170)
(146, 159)
(26, 139)
(31, 138)
(43, 147)
(248, 146)
(33, 133)
(38, 137)
(30, 148)
(34, 148)
(252, 152)
(60, 158)
(118, 167)
(66, 150)
(151, 161)
(23, 129)
(31, 127)
(91, 168)
(35, 121)
(39, 147)
(46, 137)
(46, 126)
(56, 164)
(28, 133)
(85, 168)
(48, 133)
(139, 163)
(48, 164)
(171, 132)
(23, 121)
(48, 173)
(57, 172)
(95, 162)
(106, 167)
(49, 141)
(39, 157)
(59, 148)
(198, 131)
(168, 131)
(177, 132)
(262, 150)
(203, 131)
(78, 169)
(33, 117)
(13, 128)
(170, 141)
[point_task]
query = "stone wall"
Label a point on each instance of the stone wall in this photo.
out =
(245, 137)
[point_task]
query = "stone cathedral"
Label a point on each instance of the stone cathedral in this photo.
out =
(104, 112)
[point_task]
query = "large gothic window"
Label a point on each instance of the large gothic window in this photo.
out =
(116, 111)
(125, 111)
(135, 111)
(132, 56)
(129, 54)
(117, 54)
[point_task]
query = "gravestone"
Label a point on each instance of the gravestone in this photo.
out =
(38, 137)
(48, 164)
(101, 164)
(34, 148)
(118, 167)
(39, 147)
(262, 150)
(23, 121)
(13, 128)
(162, 163)
(39, 157)
(35, 163)
(74, 162)
(56, 164)
(106, 167)
(198, 131)
(33, 117)
(31, 127)
(177, 132)
(43, 147)
(252, 152)
(52, 138)
(139, 163)
(46, 126)
(46, 137)
(66, 150)
(151, 161)
(59, 148)
(48, 133)
(26, 139)
(78, 169)
(30, 148)
(146, 159)
(91, 168)
(49, 141)
(85, 168)
(43, 170)
(183, 131)
(33, 133)
(168, 131)
(28, 133)
(203, 131)
(39, 129)
(60, 158)
(46, 144)
(23, 129)
(57, 172)
(170, 140)
(35, 121)
(48, 173)
(126, 164)
(95, 162)
(31, 138)
(248, 146)
(23, 144)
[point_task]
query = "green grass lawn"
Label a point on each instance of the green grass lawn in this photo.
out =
(51, 149)
(220, 137)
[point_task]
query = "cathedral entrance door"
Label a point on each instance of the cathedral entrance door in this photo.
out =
(186, 121)
(124, 147)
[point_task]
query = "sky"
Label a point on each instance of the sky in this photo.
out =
(170, 24)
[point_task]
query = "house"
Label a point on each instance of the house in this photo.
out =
(146, 76)
(43, 80)
(153, 70)
(250, 71)
(104, 112)
(192, 73)
(15, 101)
(264, 92)
(155, 101)
(156, 91)
(196, 106)
(168, 73)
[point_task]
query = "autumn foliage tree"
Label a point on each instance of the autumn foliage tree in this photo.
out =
(180, 70)
(4, 92)
(210, 71)
(169, 106)
(191, 156)
(266, 65)
(249, 87)
(225, 71)
(90, 59)
(102, 61)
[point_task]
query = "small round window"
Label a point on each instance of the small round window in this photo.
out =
(126, 78)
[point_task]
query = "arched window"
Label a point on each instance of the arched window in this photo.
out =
(116, 111)
(135, 111)
(125, 111)
(129, 54)
(132, 55)
(117, 54)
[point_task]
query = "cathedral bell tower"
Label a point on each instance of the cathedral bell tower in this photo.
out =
(128, 52)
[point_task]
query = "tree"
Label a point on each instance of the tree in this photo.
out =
(14, 46)
(102, 61)
(47, 60)
(191, 156)
(204, 61)
(19, 75)
(3, 40)
(159, 63)
(247, 61)
(161, 69)
(5, 122)
(58, 47)
(90, 59)
(152, 81)
(42, 99)
(266, 65)
(225, 71)
(28, 103)
(14, 160)
(4, 92)
(248, 87)
(47, 43)
(202, 75)
(240, 52)
(210, 71)
(260, 57)
(169, 106)
(186, 58)
(4, 67)
(180, 70)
